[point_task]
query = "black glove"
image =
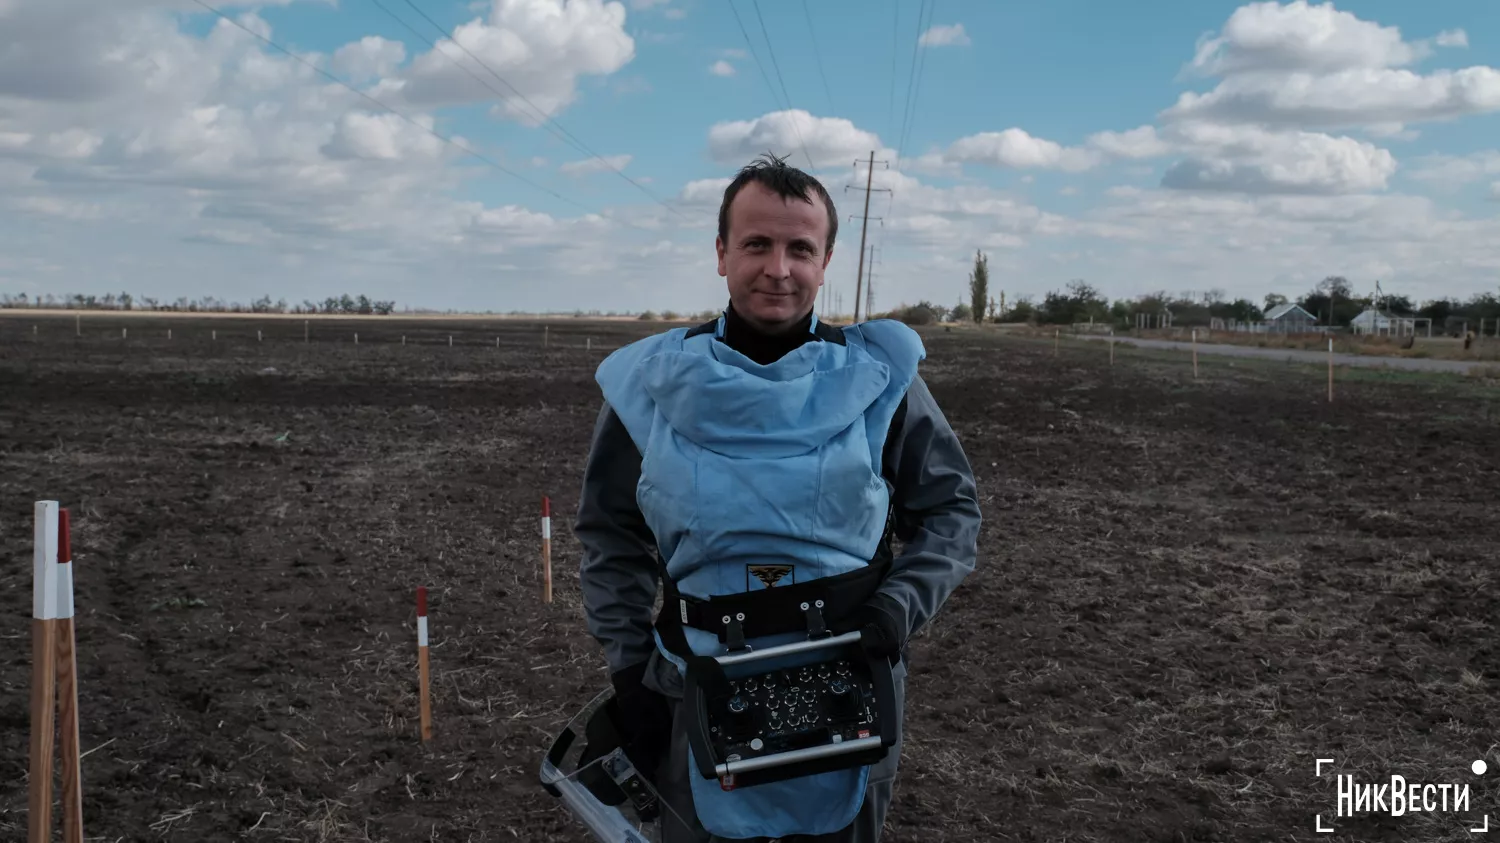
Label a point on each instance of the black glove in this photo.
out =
(879, 622)
(645, 720)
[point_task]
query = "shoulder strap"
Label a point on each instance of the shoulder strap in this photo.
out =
(829, 333)
(886, 552)
(706, 328)
(898, 421)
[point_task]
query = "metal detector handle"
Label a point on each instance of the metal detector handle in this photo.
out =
(781, 759)
(607, 824)
(809, 646)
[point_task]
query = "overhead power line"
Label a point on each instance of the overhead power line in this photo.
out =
(754, 54)
(542, 117)
(916, 98)
(890, 116)
(818, 54)
(771, 51)
(440, 136)
(913, 77)
(913, 83)
(786, 103)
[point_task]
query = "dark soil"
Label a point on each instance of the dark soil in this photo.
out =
(1186, 593)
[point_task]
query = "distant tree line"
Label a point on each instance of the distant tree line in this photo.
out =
(1332, 301)
(207, 304)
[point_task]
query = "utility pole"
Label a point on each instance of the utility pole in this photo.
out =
(859, 276)
(870, 284)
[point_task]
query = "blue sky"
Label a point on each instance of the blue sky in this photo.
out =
(147, 145)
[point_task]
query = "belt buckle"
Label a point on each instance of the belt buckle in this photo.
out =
(734, 634)
(817, 627)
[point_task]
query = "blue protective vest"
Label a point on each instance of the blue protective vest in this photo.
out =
(746, 465)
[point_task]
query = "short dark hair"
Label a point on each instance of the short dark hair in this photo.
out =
(787, 181)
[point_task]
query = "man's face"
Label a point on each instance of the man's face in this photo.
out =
(774, 258)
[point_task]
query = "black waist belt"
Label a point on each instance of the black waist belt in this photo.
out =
(810, 607)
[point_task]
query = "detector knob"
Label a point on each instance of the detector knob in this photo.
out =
(843, 698)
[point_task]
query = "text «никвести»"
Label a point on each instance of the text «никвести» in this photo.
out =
(1399, 796)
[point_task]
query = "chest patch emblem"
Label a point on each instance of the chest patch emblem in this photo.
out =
(769, 575)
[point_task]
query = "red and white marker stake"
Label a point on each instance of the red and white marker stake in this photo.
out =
(54, 685)
(546, 549)
(43, 671)
(422, 664)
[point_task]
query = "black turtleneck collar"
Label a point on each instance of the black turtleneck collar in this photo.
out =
(760, 346)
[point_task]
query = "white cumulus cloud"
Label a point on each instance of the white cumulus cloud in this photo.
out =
(1016, 149)
(1313, 66)
(1300, 36)
(945, 35)
(1252, 160)
(1291, 78)
(796, 135)
(541, 49)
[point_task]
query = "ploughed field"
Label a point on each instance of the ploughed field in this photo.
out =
(1186, 591)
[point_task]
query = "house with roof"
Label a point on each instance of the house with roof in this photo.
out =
(1289, 318)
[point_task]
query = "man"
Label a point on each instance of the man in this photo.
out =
(763, 447)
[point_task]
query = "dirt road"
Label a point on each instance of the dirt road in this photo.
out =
(1424, 364)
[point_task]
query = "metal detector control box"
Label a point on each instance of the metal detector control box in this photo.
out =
(832, 709)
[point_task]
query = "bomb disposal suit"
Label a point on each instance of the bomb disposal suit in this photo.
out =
(760, 476)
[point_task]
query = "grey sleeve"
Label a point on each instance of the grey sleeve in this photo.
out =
(618, 573)
(937, 514)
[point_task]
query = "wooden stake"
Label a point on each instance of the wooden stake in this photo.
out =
(1111, 347)
(67, 688)
(43, 727)
(546, 549)
(1330, 370)
(423, 667)
(1056, 333)
(1195, 354)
